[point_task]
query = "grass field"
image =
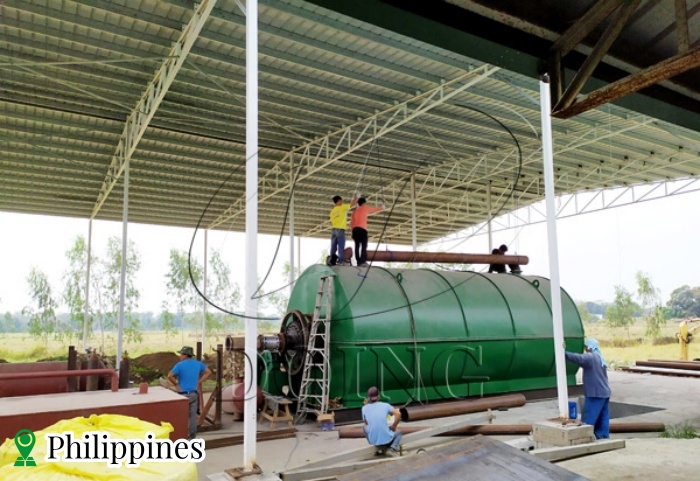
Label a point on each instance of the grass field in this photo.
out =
(21, 347)
(618, 347)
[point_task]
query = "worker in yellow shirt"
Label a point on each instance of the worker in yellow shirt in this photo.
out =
(339, 223)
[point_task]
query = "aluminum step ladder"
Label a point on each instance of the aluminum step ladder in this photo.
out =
(313, 393)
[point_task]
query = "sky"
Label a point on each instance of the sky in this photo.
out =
(596, 251)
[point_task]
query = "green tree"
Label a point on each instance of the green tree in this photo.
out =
(621, 312)
(222, 293)
(180, 288)
(583, 312)
(278, 299)
(650, 301)
(596, 307)
(167, 322)
(8, 324)
(74, 282)
(685, 302)
(106, 281)
(132, 324)
(42, 316)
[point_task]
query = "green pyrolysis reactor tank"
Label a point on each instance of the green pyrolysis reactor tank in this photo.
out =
(424, 335)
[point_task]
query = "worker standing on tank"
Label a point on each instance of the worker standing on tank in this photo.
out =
(596, 410)
(187, 377)
(339, 224)
(497, 268)
(358, 226)
(377, 429)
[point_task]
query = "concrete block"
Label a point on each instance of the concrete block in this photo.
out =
(554, 433)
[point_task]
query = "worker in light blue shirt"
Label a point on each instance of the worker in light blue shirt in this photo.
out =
(187, 376)
(378, 432)
(596, 410)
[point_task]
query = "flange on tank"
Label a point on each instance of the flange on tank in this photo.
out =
(424, 335)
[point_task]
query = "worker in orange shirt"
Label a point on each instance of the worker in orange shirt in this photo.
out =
(358, 224)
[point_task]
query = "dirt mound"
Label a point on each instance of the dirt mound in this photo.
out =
(149, 367)
(162, 362)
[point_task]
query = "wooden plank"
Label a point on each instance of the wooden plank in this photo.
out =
(568, 452)
(370, 450)
(478, 458)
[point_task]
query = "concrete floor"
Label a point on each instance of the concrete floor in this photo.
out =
(645, 457)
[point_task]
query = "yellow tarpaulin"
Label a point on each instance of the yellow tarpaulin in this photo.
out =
(118, 427)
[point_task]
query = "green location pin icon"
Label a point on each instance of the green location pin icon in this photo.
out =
(24, 440)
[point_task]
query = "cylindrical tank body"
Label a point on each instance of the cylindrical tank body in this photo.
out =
(429, 335)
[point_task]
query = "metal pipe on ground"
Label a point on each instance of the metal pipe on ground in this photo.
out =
(663, 371)
(445, 258)
(354, 432)
(72, 366)
(690, 365)
(454, 408)
(92, 381)
(10, 376)
(124, 372)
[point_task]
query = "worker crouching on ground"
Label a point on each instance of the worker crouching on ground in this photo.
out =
(188, 382)
(596, 410)
(377, 429)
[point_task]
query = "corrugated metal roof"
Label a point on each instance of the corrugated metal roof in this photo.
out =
(72, 71)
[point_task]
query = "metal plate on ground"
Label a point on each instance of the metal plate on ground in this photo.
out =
(477, 457)
(621, 410)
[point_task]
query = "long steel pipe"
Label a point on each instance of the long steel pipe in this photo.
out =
(686, 363)
(455, 408)
(689, 365)
(9, 376)
(445, 258)
(351, 432)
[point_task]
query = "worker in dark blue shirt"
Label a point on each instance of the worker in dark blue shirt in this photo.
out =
(190, 374)
(596, 410)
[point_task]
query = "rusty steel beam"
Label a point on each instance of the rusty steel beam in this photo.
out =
(11, 376)
(444, 257)
(353, 432)
(585, 25)
(682, 26)
(455, 408)
(615, 26)
(633, 83)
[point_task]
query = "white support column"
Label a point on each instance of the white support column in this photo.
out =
(548, 158)
(204, 291)
(414, 228)
(250, 415)
(489, 207)
(122, 277)
(291, 228)
(87, 286)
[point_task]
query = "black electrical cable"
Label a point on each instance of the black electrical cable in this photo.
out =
(510, 194)
(189, 254)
